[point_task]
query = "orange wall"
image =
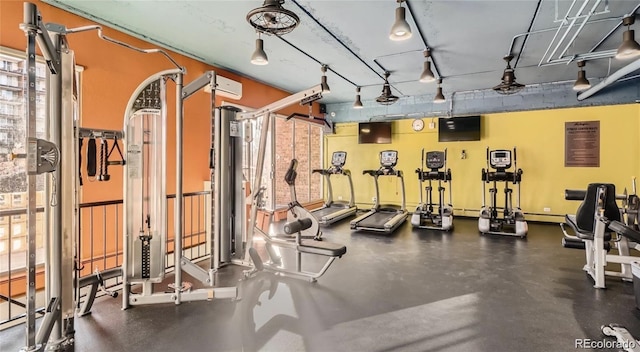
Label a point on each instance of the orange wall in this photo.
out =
(111, 73)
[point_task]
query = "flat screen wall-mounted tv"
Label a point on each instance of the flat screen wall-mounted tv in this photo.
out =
(459, 129)
(374, 132)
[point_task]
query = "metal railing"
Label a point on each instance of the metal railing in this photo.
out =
(100, 248)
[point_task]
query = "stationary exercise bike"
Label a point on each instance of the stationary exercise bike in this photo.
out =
(512, 222)
(300, 221)
(425, 215)
(295, 211)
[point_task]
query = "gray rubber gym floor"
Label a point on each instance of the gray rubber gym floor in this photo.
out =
(414, 290)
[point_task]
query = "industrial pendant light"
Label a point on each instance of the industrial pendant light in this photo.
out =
(629, 47)
(582, 82)
(439, 98)
(259, 57)
(400, 29)
(323, 81)
(358, 102)
(386, 98)
(427, 75)
(272, 18)
(508, 84)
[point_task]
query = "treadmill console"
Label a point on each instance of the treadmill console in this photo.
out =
(500, 159)
(338, 159)
(435, 160)
(388, 158)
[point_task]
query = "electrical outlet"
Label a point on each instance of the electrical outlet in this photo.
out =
(547, 210)
(339, 197)
(432, 125)
(373, 199)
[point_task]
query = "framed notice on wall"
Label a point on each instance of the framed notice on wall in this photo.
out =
(582, 144)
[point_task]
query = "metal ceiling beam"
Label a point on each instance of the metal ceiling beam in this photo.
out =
(316, 60)
(524, 42)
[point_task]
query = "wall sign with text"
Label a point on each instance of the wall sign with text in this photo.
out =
(582, 144)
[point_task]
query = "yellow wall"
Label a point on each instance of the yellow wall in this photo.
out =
(539, 138)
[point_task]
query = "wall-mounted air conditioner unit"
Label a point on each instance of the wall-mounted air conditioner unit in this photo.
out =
(227, 88)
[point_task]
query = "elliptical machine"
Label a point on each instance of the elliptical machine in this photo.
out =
(425, 216)
(512, 222)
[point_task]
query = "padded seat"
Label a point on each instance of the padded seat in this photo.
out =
(322, 248)
(583, 222)
(582, 233)
(625, 231)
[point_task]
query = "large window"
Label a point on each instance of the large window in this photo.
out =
(301, 140)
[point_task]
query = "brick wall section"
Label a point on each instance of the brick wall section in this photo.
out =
(308, 151)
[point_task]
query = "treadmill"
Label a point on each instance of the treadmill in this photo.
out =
(383, 218)
(333, 211)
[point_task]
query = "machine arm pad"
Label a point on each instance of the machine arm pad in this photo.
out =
(297, 226)
(574, 194)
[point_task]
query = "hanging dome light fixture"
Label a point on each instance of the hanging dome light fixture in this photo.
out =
(259, 57)
(629, 47)
(582, 82)
(358, 103)
(427, 75)
(439, 98)
(400, 29)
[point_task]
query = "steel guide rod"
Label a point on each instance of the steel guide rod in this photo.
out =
(31, 177)
(177, 222)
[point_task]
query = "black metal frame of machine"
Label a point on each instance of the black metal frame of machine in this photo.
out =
(334, 211)
(426, 215)
(385, 218)
(512, 217)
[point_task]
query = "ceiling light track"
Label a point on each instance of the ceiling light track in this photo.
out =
(337, 39)
(434, 65)
(526, 38)
(318, 61)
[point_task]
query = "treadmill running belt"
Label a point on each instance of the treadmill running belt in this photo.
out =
(318, 214)
(377, 220)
